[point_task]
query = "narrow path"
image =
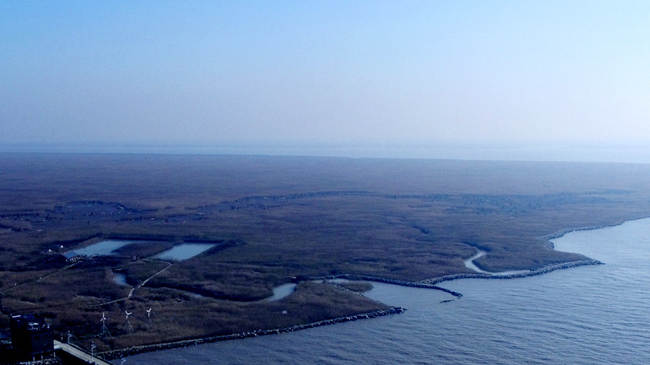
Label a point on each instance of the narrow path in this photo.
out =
(169, 264)
(37, 279)
(133, 289)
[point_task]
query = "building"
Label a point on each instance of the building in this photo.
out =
(31, 337)
(72, 257)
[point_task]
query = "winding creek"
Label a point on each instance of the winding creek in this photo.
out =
(179, 252)
(470, 264)
(281, 291)
(584, 315)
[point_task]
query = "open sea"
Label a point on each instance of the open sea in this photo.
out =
(585, 315)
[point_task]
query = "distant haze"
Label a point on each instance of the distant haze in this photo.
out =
(542, 80)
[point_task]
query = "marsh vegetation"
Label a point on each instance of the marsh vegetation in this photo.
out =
(275, 220)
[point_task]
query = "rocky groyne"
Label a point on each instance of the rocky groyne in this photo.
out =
(412, 284)
(129, 351)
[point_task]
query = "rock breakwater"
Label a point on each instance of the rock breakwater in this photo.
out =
(115, 354)
(412, 284)
(540, 271)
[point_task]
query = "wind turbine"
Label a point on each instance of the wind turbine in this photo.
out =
(104, 327)
(149, 313)
(128, 314)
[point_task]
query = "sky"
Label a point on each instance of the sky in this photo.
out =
(330, 73)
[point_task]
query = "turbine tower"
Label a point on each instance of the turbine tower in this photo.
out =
(105, 330)
(128, 314)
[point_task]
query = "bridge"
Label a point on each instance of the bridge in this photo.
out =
(78, 353)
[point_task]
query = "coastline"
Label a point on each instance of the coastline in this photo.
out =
(129, 351)
(544, 270)
(425, 284)
(563, 232)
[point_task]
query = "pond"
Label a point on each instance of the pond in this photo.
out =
(101, 248)
(179, 252)
(120, 279)
(184, 251)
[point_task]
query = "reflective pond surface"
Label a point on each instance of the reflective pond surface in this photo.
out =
(184, 251)
(179, 252)
(101, 248)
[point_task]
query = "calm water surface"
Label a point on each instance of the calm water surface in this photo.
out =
(120, 279)
(594, 314)
(102, 248)
(179, 252)
(184, 251)
(281, 291)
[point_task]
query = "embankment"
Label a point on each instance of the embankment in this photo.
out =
(377, 279)
(543, 270)
(129, 351)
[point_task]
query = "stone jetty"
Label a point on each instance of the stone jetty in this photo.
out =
(377, 279)
(115, 354)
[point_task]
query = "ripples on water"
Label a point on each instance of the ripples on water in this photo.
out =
(585, 315)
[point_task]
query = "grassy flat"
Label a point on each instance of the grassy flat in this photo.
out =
(275, 219)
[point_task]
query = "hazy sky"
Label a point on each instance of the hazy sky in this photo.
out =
(325, 71)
